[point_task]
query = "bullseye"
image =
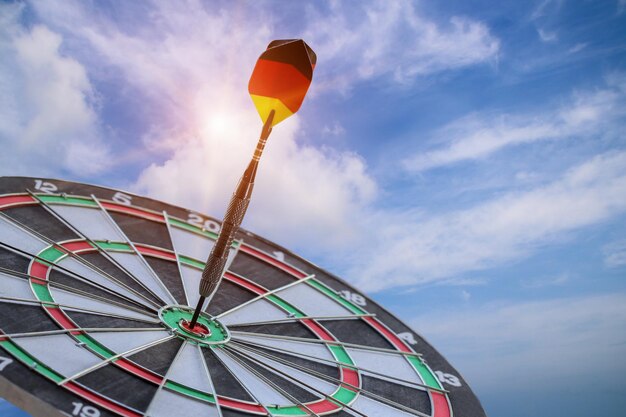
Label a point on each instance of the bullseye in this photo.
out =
(199, 329)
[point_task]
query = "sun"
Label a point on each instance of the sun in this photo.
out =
(218, 123)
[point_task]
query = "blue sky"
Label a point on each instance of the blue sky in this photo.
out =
(463, 162)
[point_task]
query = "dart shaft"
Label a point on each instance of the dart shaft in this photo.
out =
(196, 312)
(237, 207)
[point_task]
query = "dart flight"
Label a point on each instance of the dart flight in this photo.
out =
(281, 78)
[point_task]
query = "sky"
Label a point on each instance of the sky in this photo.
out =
(461, 162)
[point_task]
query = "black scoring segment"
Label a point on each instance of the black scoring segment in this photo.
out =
(322, 368)
(120, 386)
(21, 318)
(38, 219)
(140, 230)
(223, 380)
(283, 382)
(168, 273)
(86, 288)
(158, 358)
(13, 261)
(260, 272)
(284, 329)
(357, 332)
(228, 296)
(227, 412)
(103, 264)
(87, 320)
(413, 398)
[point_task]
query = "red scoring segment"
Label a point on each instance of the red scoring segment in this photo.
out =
(441, 407)
(272, 261)
(240, 405)
(25, 199)
(152, 251)
(138, 370)
(257, 289)
(16, 200)
(133, 211)
(395, 340)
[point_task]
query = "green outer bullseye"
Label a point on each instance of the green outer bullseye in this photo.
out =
(173, 314)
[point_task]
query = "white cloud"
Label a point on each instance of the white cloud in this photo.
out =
(296, 185)
(417, 248)
(480, 135)
(578, 47)
(47, 113)
(540, 10)
(335, 129)
(372, 39)
(541, 343)
(615, 254)
(545, 281)
(356, 41)
(546, 36)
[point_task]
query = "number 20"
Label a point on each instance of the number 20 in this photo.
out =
(209, 225)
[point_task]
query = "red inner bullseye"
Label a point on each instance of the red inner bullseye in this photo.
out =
(199, 329)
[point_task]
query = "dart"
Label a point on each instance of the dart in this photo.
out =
(279, 82)
(101, 314)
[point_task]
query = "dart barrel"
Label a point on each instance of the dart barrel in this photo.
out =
(212, 273)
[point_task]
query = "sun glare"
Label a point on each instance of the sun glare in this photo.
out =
(218, 123)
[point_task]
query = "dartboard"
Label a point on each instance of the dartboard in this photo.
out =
(96, 288)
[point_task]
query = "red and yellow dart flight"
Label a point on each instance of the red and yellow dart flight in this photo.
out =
(281, 78)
